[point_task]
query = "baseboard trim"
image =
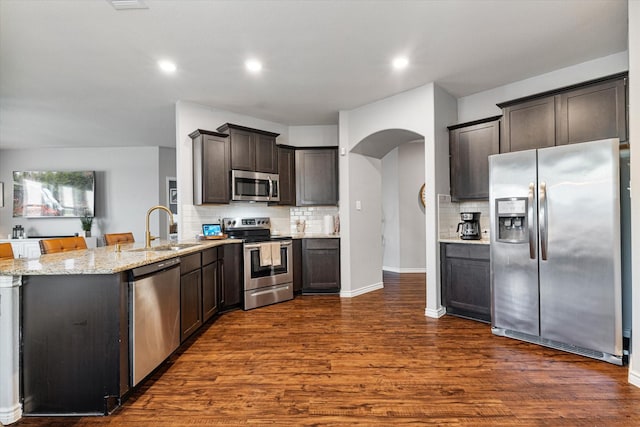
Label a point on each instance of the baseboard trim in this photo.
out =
(360, 291)
(634, 377)
(10, 415)
(404, 270)
(436, 314)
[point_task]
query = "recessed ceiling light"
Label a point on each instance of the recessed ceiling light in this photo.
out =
(253, 65)
(400, 63)
(128, 4)
(167, 66)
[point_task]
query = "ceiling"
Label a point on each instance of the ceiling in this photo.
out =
(82, 74)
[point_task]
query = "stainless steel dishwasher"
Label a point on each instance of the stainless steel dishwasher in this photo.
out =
(154, 326)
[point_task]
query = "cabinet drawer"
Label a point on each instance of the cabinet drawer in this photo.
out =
(321, 243)
(467, 250)
(209, 255)
(190, 262)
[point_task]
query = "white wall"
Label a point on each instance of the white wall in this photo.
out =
(361, 252)
(403, 232)
(313, 136)
(634, 129)
(391, 212)
(127, 184)
(483, 104)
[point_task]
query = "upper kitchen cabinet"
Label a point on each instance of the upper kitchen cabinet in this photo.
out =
(470, 145)
(528, 125)
(211, 160)
(584, 112)
(252, 149)
(316, 176)
(287, 175)
(597, 111)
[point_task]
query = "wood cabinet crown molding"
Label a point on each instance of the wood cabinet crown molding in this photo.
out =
(225, 127)
(562, 89)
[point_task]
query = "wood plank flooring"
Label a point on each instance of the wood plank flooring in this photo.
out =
(366, 361)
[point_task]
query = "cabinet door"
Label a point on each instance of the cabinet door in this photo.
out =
(286, 172)
(243, 150)
(190, 303)
(321, 265)
(528, 125)
(296, 251)
(470, 148)
(594, 112)
(266, 154)
(210, 279)
(317, 177)
(232, 285)
(210, 169)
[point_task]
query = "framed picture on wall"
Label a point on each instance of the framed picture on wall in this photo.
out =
(172, 195)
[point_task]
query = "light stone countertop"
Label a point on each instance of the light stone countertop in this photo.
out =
(483, 241)
(102, 260)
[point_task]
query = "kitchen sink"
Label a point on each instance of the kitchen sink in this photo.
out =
(169, 247)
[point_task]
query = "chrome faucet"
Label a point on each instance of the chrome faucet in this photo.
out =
(147, 234)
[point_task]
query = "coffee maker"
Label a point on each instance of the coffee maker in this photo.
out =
(469, 228)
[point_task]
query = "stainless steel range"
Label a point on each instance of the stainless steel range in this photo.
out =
(268, 274)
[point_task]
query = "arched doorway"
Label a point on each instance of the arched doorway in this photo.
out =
(394, 170)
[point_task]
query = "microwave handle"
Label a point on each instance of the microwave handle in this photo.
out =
(270, 188)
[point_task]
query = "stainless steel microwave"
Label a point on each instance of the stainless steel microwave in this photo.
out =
(255, 186)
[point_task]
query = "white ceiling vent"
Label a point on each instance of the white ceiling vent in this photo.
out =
(128, 4)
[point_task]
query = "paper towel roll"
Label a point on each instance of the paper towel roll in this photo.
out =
(328, 224)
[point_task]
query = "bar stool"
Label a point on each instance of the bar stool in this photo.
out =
(113, 238)
(6, 251)
(64, 244)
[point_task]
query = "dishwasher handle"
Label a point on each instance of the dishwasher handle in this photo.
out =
(155, 267)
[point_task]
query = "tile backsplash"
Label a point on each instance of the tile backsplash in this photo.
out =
(449, 215)
(313, 217)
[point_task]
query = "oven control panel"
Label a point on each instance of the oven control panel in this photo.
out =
(234, 223)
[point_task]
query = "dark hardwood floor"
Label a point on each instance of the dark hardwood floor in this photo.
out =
(370, 360)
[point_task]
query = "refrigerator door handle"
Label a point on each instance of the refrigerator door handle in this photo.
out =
(532, 236)
(544, 238)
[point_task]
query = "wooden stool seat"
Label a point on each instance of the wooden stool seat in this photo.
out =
(64, 244)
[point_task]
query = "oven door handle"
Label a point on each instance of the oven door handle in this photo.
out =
(257, 245)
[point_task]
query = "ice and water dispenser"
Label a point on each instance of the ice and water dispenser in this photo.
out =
(511, 217)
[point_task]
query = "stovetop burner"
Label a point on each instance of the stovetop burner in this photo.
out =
(250, 229)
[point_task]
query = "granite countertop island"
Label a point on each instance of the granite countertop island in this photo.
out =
(483, 241)
(105, 260)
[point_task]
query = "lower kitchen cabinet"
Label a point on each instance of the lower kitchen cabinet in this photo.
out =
(296, 250)
(321, 265)
(465, 280)
(190, 295)
(232, 283)
(211, 277)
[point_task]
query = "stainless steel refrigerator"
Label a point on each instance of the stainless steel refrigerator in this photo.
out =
(555, 248)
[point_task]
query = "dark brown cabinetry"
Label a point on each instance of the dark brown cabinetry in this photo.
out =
(316, 176)
(597, 111)
(211, 163)
(287, 175)
(211, 277)
(296, 251)
(528, 125)
(74, 343)
(321, 265)
(579, 113)
(470, 145)
(465, 280)
(190, 295)
(252, 149)
(232, 274)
